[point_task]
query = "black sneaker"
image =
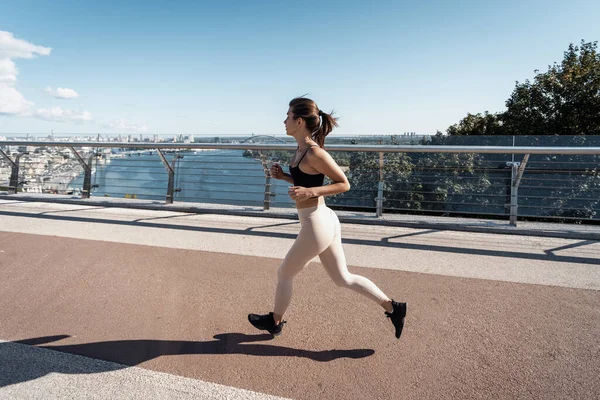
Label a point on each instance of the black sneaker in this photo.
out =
(266, 323)
(397, 316)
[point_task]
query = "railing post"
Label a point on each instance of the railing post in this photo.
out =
(86, 191)
(517, 169)
(513, 192)
(379, 199)
(171, 171)
(170, 188)
(267, 202)
(14, 172)
(268, 194)
(14, 176)
(87, 173)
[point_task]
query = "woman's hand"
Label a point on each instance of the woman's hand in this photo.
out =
(299, 193)
(276, 171)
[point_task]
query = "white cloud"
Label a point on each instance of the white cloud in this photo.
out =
(62, 93)
(10, 47)
(121, 125)
(59, 115)
(12, 102)
(8, 71)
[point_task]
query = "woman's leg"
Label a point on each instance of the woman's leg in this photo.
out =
(334, 261)
(314, 237)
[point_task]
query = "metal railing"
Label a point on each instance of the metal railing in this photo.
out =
(543, 182)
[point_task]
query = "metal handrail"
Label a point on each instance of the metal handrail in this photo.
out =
(347, 148)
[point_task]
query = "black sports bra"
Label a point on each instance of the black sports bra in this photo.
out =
(302, 178)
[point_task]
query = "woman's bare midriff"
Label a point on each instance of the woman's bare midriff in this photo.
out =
(315, 201)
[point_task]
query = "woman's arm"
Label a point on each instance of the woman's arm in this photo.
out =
(277, 173)
(288, 178)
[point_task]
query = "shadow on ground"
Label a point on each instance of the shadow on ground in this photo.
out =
(19, 364)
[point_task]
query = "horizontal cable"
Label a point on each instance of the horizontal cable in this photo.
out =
(276, 185)
(220, 162)
(522, 196)
(551, 187)
(225, 175)
(445, 211)
(220, 199)
(527, 171)
(352, 190)
(544, 182)
(449, 193)
(132, 179)
(212, 155)
(454, 168)
(221, 191)
(559, 171)
(123, 195)
(558, 208)
(479, 160)
(159, 191)
(439, 178)
(61, 176)
(443, 202)
(224, 183)
(344, 206)
(528, 178)
(413, 175)
(163, 190)
(151, 164)
(592, 161)
(197, 173)
(591, 218)
(101, 186)
(354, 198)
(487, 169)
(225, 169)
(430, 183)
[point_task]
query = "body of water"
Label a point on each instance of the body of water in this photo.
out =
(219, 176)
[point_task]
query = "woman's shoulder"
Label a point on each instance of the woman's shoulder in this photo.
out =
(316, 152)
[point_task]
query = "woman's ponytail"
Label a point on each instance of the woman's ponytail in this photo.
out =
(328, 122)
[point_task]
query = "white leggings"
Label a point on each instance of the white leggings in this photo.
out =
(320, 234)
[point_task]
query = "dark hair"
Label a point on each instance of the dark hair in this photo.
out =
(319, 123)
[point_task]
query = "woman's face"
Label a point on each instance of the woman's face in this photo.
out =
(291, 124)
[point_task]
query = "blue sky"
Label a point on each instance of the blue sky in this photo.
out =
(231, 67)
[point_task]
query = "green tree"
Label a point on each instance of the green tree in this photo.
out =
(478, 124)
(565, 100)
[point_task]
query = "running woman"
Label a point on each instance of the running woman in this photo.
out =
(320, 232)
